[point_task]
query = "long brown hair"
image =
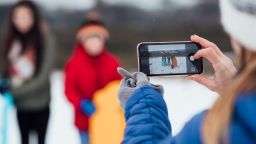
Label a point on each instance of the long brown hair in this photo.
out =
(216, 124)
(33, 38)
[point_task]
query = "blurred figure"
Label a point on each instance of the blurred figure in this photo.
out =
(28, 58)
(89, 69)
(173, 61)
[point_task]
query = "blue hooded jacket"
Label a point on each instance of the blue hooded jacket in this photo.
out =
(147, 121)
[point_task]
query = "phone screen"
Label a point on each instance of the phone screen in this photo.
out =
(169, 58)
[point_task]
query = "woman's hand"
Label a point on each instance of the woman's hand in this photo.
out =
(224, 70)
(132, 82)
(129, 84)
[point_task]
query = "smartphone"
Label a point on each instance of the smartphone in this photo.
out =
(169, 58)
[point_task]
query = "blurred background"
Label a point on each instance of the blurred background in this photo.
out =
(130, 22)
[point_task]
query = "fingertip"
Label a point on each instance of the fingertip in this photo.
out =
(189, 78)
(194, 36)
(123, 72)
(197, 55)
(119, 70)
(193, 77)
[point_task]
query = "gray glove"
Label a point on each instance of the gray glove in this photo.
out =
(130, 83)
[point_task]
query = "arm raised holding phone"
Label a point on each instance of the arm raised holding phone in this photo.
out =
(146, 112)
(186, 58)
(231, 119)
(224, 69)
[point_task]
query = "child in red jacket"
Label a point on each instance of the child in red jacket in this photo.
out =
(89, 69)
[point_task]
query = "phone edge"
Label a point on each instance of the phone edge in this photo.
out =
(173, 42)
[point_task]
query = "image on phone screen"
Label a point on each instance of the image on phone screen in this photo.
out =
(169, 59)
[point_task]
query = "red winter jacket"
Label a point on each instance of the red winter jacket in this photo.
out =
(84, 76)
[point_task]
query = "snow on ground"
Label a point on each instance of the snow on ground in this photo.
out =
(184, 99)
(157, 68)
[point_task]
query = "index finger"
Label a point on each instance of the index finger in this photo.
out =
(202, 41)
(124, 73)
(209, 54)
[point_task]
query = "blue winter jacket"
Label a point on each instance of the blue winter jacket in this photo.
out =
(147, 121)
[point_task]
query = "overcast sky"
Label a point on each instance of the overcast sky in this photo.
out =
(87, 4)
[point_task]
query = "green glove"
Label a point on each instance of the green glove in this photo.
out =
(131, 82)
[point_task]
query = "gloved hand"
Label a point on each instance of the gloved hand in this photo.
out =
(131, 82)
(88, 107)
(4, 85)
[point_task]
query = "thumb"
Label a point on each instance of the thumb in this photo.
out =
(204, 80)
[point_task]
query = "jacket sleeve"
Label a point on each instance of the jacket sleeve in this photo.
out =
(191, 132)
(42, 79)
(71, 89)
(147, 121)
(146, 117)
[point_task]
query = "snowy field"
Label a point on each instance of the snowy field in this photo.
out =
(184, 99)
(155, 62)
(157, 68)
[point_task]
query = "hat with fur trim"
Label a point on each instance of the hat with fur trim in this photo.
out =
(238, 18)
(92, 26)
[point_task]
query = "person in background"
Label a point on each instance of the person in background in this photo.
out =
(90, 68)
(232, 119)
(28, 59)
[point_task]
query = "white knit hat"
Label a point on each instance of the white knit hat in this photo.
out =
(238, 18)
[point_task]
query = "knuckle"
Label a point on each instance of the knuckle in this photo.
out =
(214, 45)
(207, 52)
(199, 79)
